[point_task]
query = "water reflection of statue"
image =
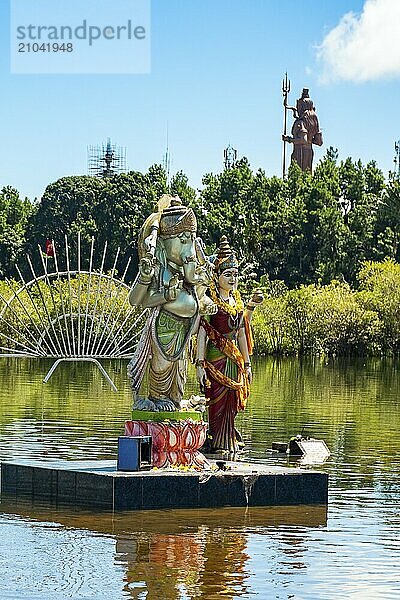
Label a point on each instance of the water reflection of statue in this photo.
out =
(170, 282)
(203, 563)
(305, 132)
(224, 346)
(207, 554)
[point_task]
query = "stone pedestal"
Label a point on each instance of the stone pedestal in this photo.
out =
(98, 484)
(174, 443)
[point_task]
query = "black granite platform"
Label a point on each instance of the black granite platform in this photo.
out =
(98, 484)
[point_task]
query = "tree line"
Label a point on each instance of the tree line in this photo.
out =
(307, 237)
(308, 228)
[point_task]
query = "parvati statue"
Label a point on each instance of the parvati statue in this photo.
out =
(224, 346)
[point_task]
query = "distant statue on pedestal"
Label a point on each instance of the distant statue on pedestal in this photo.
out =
(305, 131)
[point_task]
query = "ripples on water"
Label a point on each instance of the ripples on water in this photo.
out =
(277, 552)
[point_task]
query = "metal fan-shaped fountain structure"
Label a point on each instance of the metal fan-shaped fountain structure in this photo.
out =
(73, 311)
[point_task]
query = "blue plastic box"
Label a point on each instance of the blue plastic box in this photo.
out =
(134, 453)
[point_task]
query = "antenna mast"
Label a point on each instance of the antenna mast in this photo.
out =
(397, 158)
(167, 160)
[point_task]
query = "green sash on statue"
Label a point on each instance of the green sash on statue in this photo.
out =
(172, 333)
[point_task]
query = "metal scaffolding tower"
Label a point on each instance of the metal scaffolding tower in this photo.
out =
(106, 160)
(230, 157)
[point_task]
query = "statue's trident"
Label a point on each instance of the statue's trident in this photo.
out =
(285, 92)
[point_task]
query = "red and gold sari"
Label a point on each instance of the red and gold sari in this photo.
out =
(229, 388)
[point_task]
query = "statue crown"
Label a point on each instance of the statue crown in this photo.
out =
(176, 219)
(226, 257)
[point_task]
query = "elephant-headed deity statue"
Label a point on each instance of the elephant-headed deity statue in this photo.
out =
(173, 275)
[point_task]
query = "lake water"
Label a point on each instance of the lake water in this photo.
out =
(349, 551)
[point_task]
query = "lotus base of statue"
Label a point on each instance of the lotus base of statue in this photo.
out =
(176, 441)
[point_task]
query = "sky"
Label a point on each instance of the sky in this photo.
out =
(215, 79)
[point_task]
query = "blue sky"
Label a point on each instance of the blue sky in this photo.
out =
(216, 76)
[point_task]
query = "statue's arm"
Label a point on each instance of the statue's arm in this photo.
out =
(256, 299)
(145, 293)
(200, 356)
(317, 139)
(242, 343)
(201, 344)
(154, 299)
(141, 295)
(297, 141)
(300, 141)
(138, 293)
(140, 286)
(299, 137)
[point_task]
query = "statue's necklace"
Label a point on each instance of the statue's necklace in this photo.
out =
(231, 309)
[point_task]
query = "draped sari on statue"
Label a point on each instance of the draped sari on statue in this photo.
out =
(227, 388)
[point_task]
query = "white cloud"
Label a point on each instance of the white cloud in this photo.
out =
(363, 47)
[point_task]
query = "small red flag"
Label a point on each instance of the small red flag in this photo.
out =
(49, 248)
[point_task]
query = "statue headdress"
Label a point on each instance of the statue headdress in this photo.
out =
(176, 219)
(226, 257)
(170, 219)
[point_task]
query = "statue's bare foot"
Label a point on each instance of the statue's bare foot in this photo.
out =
(144, 404)
(164, 405)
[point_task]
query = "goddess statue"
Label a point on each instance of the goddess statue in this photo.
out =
(171, 282)
(224, 346)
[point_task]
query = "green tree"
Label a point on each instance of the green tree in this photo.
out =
(387, 231)
(380, 292)
(179, 186)
(361, 193)
(111, 209)
(14, 215)
(227, 206)
(341, 324)
(309, 230)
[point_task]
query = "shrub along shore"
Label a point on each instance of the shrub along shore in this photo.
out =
(333, 319)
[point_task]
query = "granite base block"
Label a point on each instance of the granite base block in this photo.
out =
(99, 485)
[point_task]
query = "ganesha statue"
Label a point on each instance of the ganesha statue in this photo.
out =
(173, 276)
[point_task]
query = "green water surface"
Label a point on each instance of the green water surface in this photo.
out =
(351, 550)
